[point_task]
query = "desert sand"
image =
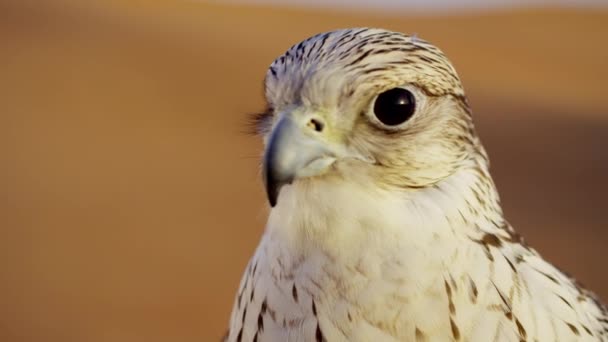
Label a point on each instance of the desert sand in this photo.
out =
(131, 198)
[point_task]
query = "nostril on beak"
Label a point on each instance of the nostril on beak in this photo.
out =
(316, 125)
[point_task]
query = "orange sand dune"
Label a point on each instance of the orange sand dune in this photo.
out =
(131, 199)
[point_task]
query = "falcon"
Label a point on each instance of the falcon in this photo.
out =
(385, 224)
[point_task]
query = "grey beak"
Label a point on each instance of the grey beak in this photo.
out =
(290, 149)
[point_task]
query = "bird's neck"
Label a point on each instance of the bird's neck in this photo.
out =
(343, 218)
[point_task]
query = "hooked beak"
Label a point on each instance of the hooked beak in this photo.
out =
(294, 149)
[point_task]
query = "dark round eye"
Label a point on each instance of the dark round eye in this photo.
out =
(395, 106)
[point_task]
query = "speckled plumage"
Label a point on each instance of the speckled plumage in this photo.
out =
(402, 237)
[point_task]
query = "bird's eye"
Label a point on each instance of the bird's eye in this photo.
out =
(395, 106)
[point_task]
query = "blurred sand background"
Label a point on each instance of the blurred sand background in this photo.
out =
(130, 199)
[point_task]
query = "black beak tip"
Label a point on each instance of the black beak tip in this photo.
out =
(272, 199)
(273, 188)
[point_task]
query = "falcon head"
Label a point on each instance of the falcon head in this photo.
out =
(365, 105)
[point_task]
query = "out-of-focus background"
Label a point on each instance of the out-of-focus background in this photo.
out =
(130, 198)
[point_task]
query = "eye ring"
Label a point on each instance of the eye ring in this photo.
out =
(395, 106)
